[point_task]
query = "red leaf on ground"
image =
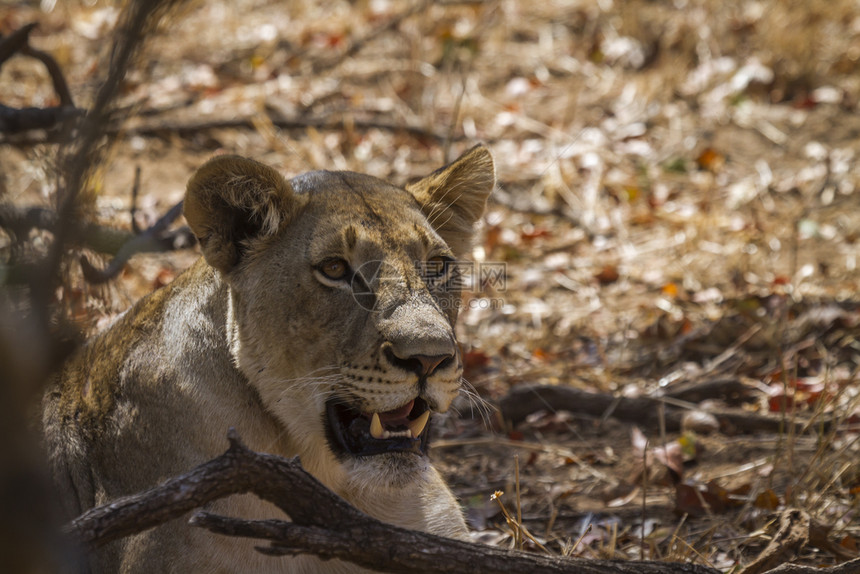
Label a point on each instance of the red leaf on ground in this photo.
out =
(690, 500)
(767, 500)
(531, 233)
(710, 159)
(609, 274)
(697, 500)
(849, 542)
(472, 359)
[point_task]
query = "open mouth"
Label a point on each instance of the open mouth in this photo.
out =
(404, 429)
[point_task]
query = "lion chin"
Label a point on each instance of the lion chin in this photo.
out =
(391, 470)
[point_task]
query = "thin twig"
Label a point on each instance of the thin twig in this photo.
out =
(644, 500)
(135, 191)
(455, 115)
(519, 537)
(582, 536)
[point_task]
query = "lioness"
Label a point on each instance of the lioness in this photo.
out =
(319, 323)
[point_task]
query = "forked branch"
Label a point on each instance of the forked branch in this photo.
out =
(322, 523)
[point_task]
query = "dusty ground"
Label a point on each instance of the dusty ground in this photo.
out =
(677, 203)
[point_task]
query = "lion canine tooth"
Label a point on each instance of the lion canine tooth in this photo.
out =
(376, 430)
(417, 426)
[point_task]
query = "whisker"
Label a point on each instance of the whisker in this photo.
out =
(477, 402)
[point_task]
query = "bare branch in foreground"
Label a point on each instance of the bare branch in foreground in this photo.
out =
(380, 546)
(322, 523)
(852, 567)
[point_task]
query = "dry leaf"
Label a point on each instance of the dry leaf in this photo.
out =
(711, 160)
(767, 500)
(609, 274)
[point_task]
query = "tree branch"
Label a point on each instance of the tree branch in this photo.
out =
(379, 546)
(184, 129)
(851, 567)
(523, 401)
(57, 78)
(20, 220)
(322, 523)
(120, 243)
(14, 120)
(155, 239)
(14, 42)
(237, 470)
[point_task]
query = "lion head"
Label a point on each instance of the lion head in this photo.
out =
(343, 298)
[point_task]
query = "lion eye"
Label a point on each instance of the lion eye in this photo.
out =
(335, 269)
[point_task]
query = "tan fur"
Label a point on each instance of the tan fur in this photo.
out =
(254, 337)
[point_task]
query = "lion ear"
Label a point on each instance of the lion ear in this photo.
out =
(232, 201)
(454, 197)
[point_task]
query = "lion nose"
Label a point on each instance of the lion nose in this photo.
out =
(422, 365)
(429, 363)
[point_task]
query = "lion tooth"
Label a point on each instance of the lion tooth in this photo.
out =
(376, 430)
(417, 426)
